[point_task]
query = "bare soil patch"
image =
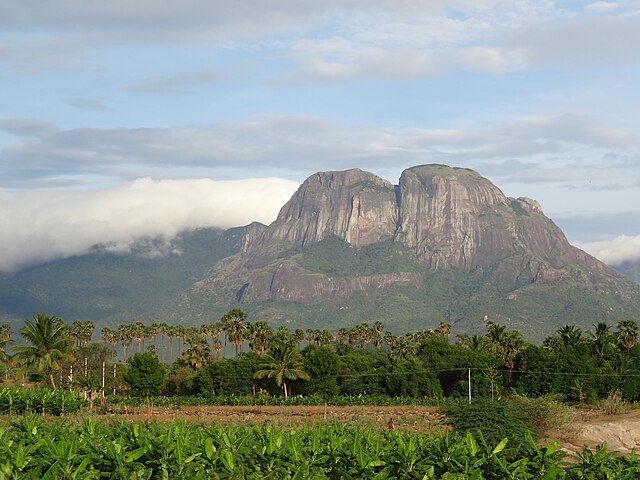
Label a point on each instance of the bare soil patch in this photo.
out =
(621, 432)
(416, 419)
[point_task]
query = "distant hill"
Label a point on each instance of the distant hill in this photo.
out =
(111, 288)
(630, 269)
(445, 244)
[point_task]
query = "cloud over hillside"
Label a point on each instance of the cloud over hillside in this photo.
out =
(46, 225)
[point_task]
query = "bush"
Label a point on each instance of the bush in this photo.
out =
(489, 420)
(614, 403)
(548, 415)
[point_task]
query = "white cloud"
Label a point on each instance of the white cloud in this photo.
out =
(615, 251)
(42, 226)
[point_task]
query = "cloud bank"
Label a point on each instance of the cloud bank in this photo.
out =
(41, 226)
(616, 251)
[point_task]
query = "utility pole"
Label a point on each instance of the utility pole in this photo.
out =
(469, 385)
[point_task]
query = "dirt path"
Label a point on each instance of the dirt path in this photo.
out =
(620, 432)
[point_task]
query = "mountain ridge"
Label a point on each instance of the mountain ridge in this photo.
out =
(445, 244)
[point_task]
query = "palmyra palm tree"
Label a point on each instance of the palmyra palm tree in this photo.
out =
(50, 345)
(125, 335)
(627, 334)
(233, 324)
(260, 337)
(5, 339)
(197, 354)
(570, 335)
(603, 339)
(283, 364)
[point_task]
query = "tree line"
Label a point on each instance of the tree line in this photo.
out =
(577, 364)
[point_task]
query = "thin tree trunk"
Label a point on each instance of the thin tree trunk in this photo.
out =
(53, 382)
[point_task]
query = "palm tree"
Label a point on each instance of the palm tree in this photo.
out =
(139, 330)
(50, 345)
(125, 335)
(260, 336)
(233, 324)
(5, 339)
(283, 363)
(602, 338)
(403, 347)
(505, 345)
(197, 353)
(376, 333)
(627, 333)
(570, 335)
(85, 332)
(472, 342)
(298, 336)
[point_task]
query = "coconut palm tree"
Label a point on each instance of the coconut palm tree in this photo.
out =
(50, 346)
(283, 363)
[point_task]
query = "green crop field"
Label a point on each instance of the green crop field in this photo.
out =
(36, 447)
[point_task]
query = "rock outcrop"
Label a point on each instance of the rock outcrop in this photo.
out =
(443, 244)
(354, 205)
(449, 217)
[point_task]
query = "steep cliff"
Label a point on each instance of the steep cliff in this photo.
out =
(354, 205)
(448, 217)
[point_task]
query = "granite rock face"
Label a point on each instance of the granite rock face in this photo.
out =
(354, 205)
(449, 217)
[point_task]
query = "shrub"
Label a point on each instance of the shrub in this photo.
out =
(548, 415)
(489, 420)
(614, 403)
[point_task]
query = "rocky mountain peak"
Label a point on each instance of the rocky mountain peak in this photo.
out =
(449, 217)
(354, 205)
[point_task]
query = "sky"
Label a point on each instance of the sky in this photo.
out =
(127, 119)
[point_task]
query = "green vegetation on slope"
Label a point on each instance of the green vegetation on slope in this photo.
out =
(336, 258)
(104, 285)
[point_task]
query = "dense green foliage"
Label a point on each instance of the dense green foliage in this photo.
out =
(336, 258)
(491, 420)
(31, 448)
(146, 376)
(17, 401)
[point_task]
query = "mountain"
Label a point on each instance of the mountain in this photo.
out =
(445, 244)
(111, 288)
(630, 269)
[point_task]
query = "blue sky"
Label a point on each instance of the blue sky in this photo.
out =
(128, 118)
